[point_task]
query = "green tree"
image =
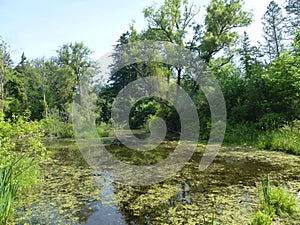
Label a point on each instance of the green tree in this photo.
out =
(283, 82)
(292, 8)
(24, 90)
(69, 67)
(254, 88)
(76, 59)
(120, 77)
(221, 20)
(171, 22)
(40, 66)
(5, 62)
(250, 57)
(274, 29)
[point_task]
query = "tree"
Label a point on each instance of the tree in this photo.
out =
(273, 28)
(253, 86)
(250, 58)
(171, 23)
(222, 18)
(24, 90)
(283, 82)
(70, 67)
(120, 77)
(40, 66)
(292, 8)
(5, 62)
(76, 58)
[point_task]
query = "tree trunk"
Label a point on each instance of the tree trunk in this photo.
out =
(44, 95)
(2, 86)
(179, 70)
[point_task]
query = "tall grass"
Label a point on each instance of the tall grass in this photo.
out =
(8, 191)
(241, 134)
(286, 139)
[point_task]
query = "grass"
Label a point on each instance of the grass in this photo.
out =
(285, 138)
(241, 134)
(8, 191)
(277, 202)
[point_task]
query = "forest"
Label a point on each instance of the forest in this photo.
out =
(260, 83)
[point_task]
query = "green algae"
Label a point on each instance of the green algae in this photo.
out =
(229, 190)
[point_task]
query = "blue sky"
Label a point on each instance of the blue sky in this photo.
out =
(39, 27)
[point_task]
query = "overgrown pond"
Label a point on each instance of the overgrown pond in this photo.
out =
(229, 190)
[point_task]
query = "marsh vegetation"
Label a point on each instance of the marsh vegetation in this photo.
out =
(44, 178)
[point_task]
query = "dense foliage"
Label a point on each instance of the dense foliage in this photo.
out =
(260, 83)
(21, 150)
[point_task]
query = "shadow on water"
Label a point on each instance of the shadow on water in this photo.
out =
(74, 194)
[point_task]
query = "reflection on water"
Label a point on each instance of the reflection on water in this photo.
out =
(229, 189)
(105, 211)
(72, 193)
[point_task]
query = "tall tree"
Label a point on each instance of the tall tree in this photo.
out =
(5, 62)
(40, 66)
(73, 61)
(250, 58)
(171, 22)
(25, 89)
(252, 84)
(222, 17)
(77, 58)
(274, 29)
(292, 8)
(283, 82)
(120, 77)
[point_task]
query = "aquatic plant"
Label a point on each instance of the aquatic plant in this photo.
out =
(8, 190)
(277, 202)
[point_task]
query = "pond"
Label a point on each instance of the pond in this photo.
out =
(229, 190)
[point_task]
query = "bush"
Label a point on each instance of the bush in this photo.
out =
(240, 134)
(103, 130)
(261, 218)
(21, 151)
(57, 128)
(276, 202)
(282, 202)
(271, 121)
(284, 139)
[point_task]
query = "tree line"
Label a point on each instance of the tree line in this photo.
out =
(260, 82)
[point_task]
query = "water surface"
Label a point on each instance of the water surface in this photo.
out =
(229, 190)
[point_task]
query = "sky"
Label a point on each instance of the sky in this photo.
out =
(39, 27)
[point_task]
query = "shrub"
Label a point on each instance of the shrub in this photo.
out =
(57, 125)
(240, 134)
(276, 202)
(261, 218)
(282, 202)
(271, 121)
(103, 130)
(284, 139)
(21, 151)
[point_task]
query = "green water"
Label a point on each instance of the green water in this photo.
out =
(229, 190)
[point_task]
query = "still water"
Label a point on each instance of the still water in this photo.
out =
(229, 190)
